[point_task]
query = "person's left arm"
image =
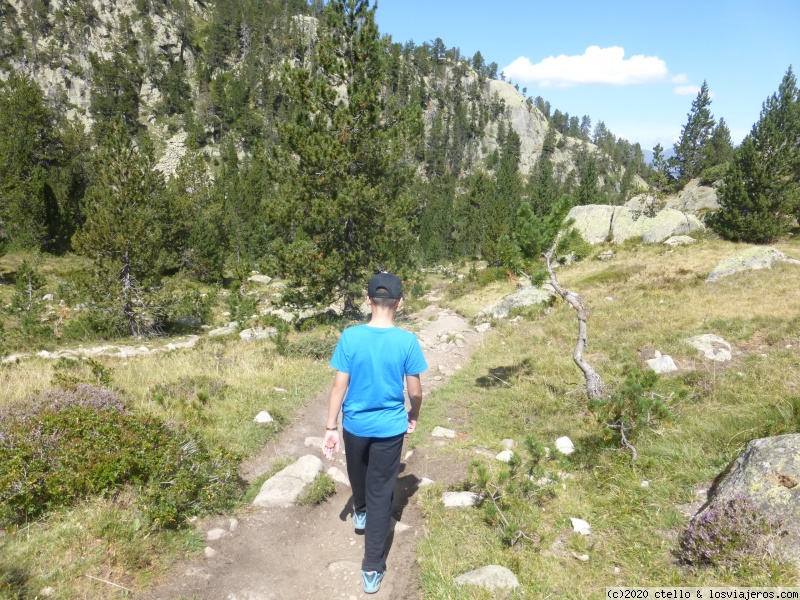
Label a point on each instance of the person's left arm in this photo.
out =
(339, 389)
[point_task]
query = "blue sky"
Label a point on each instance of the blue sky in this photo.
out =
(637, 66)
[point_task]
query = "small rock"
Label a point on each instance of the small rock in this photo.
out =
(505, 456)
(48, 298)
(279, 390)
(483, 327)
(47, 592)
(263, 417)
(425, 482)
(662, 364)
(338, 475)
(581, 557)
(645, 484)
(408, 455)
(210, 552)
(258, 333)
(617, 570)
(401, 527)
(565, 445)
(607, 255)
(442, 432)
(491, 577)
(712, 346)
(216, 534)
(313, 442)
(459, 499)
(580, 526)
(264, 279)
(233, 524)
(680, 240)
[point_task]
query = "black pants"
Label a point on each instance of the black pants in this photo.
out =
(372, 466)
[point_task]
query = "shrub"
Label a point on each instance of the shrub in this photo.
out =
(65, 445)
(632, 407)
(723, 534)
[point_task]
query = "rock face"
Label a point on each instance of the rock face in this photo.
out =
(751, 259)
(525, 296)
(602, 223)
(767, 474)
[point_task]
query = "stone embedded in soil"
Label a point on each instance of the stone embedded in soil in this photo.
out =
(505, 456)
(263, 417)
(483, 327)
(662, 363)
(338, 475)
(712, 346)
(283, 488)
(216, 534)
(442, 432)
(210, 552)
(425, 481)
(314, 442)
(491, 577)
(580, 526)
(459, 499)
(565, 445)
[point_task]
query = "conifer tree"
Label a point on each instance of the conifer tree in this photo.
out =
(124, 229)
(588, 191)
(761, 190)
(691, 149)
(343, 173)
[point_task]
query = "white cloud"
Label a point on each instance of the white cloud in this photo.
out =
(686, 90)
(679, 79)
(604, 66)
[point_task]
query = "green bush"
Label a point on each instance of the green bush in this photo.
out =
(712, 174)
(66, 445)
(632, 407)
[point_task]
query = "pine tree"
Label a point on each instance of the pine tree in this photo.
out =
(124, 229)
(29, 148)
(720, 145)
(588, 191)
(761, 190)
(691, 149)
(342, 203)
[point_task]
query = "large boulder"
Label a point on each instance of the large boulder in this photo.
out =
(758, 257)
(693, 199)
(524, 296)
(600, 223)
(767, 475)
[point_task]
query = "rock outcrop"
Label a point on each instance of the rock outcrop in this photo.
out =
(525, 296)
(752, 259)
(602, 223)
(693, 199)
(767, 475)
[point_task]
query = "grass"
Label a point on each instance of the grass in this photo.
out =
(645, 297)
(317, 491)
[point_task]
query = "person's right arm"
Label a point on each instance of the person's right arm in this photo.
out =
(414, 387)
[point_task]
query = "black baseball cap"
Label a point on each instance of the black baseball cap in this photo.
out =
(393, 287)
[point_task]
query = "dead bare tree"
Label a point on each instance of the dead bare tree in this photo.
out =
(594, 383)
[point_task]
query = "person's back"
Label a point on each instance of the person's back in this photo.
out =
(371, 362)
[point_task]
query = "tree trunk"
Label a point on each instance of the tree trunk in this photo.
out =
(127, 293)
(594, 383)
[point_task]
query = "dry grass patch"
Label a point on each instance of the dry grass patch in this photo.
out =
(653, 299)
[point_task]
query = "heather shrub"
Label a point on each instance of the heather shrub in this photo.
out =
(66, 445)
(723, 534)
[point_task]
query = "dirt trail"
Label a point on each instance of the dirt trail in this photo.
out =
(312, 552)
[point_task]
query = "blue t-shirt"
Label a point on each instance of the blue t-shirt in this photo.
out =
(377, 360)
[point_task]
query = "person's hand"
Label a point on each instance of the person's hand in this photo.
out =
(412, 425)
(330, 444)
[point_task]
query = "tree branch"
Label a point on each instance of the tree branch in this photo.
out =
(594, 383)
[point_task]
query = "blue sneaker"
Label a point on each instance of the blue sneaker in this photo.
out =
(372, 581)
(359, 522)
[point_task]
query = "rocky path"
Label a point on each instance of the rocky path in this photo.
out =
(312, 552)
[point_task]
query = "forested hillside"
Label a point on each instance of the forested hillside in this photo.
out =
(179, 139)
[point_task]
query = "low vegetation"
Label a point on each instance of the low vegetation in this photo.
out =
(686, 427)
